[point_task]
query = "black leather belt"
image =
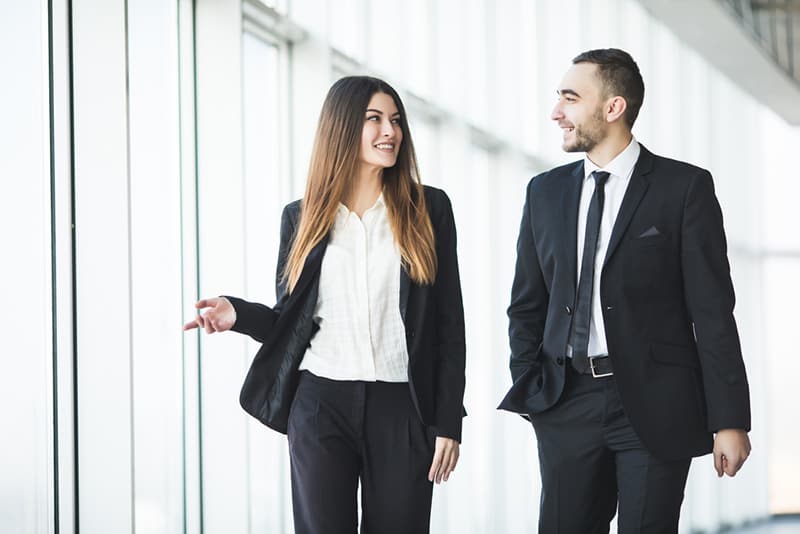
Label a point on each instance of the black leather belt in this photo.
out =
(600, 366)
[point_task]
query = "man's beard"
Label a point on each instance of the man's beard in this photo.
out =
(589, 135)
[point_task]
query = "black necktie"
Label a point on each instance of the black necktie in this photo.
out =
(579, 339)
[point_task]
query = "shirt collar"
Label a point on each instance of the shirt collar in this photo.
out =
(621, 166)
(379, 203)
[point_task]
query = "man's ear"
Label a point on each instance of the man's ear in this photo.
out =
(615, 108)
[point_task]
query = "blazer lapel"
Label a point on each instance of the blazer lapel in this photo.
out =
(633, 196)
(570, 199)
(312, 266)
(405, 285)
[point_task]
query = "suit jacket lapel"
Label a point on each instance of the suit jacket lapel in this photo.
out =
(312, 266)
(633, 196)
(405, 285)
(570, 199)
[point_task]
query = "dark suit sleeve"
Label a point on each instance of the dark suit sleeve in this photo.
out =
(256, 320)
(450, 378)
(529, 298)
(710, 300)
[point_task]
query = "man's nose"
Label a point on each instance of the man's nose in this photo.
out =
(556, 114)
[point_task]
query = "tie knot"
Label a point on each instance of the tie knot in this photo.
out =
(600, 178)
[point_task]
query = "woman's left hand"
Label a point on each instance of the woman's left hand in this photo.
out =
(445, 459)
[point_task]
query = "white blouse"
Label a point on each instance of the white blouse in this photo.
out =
(361, 334)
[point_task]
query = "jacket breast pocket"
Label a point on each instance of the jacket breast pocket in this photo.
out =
(650, 264)
(653, 240)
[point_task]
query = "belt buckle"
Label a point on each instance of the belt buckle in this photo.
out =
(595, 374)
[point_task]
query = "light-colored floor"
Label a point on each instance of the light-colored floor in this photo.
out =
(778, 525)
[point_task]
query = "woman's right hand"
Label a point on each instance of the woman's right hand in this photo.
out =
(218, 317)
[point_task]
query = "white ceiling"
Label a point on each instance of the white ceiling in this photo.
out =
(713, 29)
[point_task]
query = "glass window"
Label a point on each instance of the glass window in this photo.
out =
(777, 178)
(388, 33)
(426, 145)
(469, 196)
(26, 448)
(224, 359)
(265, 194)
(104, 339)
(451, 66)
(416, 46)
(508, 63)
(782, 292)
(348, 27)
(475, 50)
(155, 266)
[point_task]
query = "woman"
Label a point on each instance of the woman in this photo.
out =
(362, 361)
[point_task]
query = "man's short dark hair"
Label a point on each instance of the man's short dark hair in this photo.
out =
(620, 77)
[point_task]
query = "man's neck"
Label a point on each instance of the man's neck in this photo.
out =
(609, 148)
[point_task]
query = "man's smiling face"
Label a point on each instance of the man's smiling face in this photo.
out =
(579, 110)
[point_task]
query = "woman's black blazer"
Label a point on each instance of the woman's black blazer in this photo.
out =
(433, 316)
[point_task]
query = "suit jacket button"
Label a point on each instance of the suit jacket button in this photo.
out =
(609, 308)
(410, 333)
(568, 310)
(560, 360)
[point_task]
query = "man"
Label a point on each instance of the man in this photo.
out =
(624, 350)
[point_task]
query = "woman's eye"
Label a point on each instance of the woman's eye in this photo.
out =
(395, 121)
(373, 118)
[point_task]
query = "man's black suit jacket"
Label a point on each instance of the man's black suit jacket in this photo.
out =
(667, 302)
(433, 316)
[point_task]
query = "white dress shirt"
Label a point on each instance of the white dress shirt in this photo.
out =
(361, 333)
(620, 169)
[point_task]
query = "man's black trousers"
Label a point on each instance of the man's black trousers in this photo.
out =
(591, 461)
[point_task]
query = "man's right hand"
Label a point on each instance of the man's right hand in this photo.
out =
(218, 317)
(731, 449)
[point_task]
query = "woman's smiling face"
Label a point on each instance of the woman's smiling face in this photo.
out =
(382, 133)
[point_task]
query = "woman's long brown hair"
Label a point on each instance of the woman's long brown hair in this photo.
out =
(333, 168)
